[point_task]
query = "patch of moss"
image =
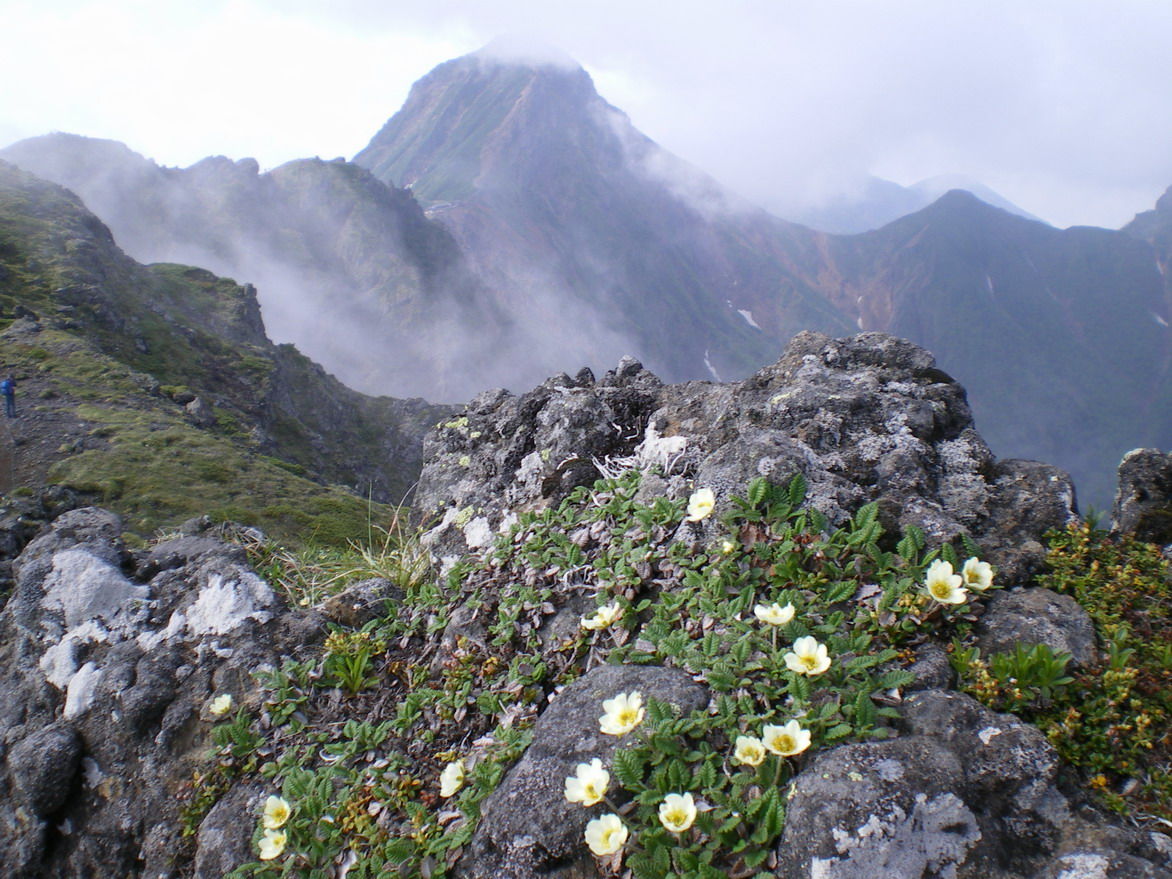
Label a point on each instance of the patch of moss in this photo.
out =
(158, 473)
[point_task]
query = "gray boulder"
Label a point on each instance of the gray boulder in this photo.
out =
(110, 660)
(1037, 616)
(528, 829)
(1143, 501)
(964, 794)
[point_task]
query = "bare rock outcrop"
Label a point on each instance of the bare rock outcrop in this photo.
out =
(867, 418)
(965, 793)
(110, 662)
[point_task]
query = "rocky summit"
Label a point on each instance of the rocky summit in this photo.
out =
(618, 552)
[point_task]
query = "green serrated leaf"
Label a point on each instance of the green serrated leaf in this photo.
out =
(866, 516)
(864, 710)
(838, 731)
(894, 679)
(627, 767)
(839, 591)
(797, 490)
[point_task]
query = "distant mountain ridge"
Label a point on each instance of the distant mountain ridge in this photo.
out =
(559, 236)
(878, 202)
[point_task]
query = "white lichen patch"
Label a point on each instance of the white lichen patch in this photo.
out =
(478, 532)
(987, 734)
(224, 604)
(931, 840)
(79, 692)
(889, 770)
(532, 466)
(60, 661)
(1084, 865)
(83, 587)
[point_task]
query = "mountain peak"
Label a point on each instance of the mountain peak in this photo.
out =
(471, 116)
(520, 51)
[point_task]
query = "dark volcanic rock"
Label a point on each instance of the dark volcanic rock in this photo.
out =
(965, 793)
(1143, 503)
(43, 766)
(868, 418)
(110, 662)
(1038, 616)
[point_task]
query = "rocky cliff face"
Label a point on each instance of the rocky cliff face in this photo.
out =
(346, 268)
(1050, 330)
(114, 657)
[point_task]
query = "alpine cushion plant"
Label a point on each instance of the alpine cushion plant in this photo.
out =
(943, 585)
(677, 812)
(272, 844)
(774, 614)
(604, 617)
(749, 751)
(452, 779)
(787, 740)
(977, 575)
(800, 632)
(808, 657)
(701, 504)
(606, 835)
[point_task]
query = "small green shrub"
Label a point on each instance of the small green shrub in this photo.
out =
(1111, 720)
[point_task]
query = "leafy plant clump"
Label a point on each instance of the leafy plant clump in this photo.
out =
(385, 743)
(1112, 720)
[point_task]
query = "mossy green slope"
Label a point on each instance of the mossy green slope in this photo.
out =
(107, 352)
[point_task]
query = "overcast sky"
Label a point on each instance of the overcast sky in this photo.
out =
(1065, 107)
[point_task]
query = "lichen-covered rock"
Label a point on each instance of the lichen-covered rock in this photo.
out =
(528, 829)
(110, 660)
(964, 794)
(1037, 616)
(224, 841)
(883, 809)
(359, 604)
(868, 418)
(1143, 501)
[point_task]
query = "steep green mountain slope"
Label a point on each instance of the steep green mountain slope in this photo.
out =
(155, 389)
(346, 268)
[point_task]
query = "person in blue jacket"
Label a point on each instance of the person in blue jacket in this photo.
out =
(8, 389)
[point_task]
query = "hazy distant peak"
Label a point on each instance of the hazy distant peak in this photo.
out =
(75, 145)
(520, 50)
(934, 187)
